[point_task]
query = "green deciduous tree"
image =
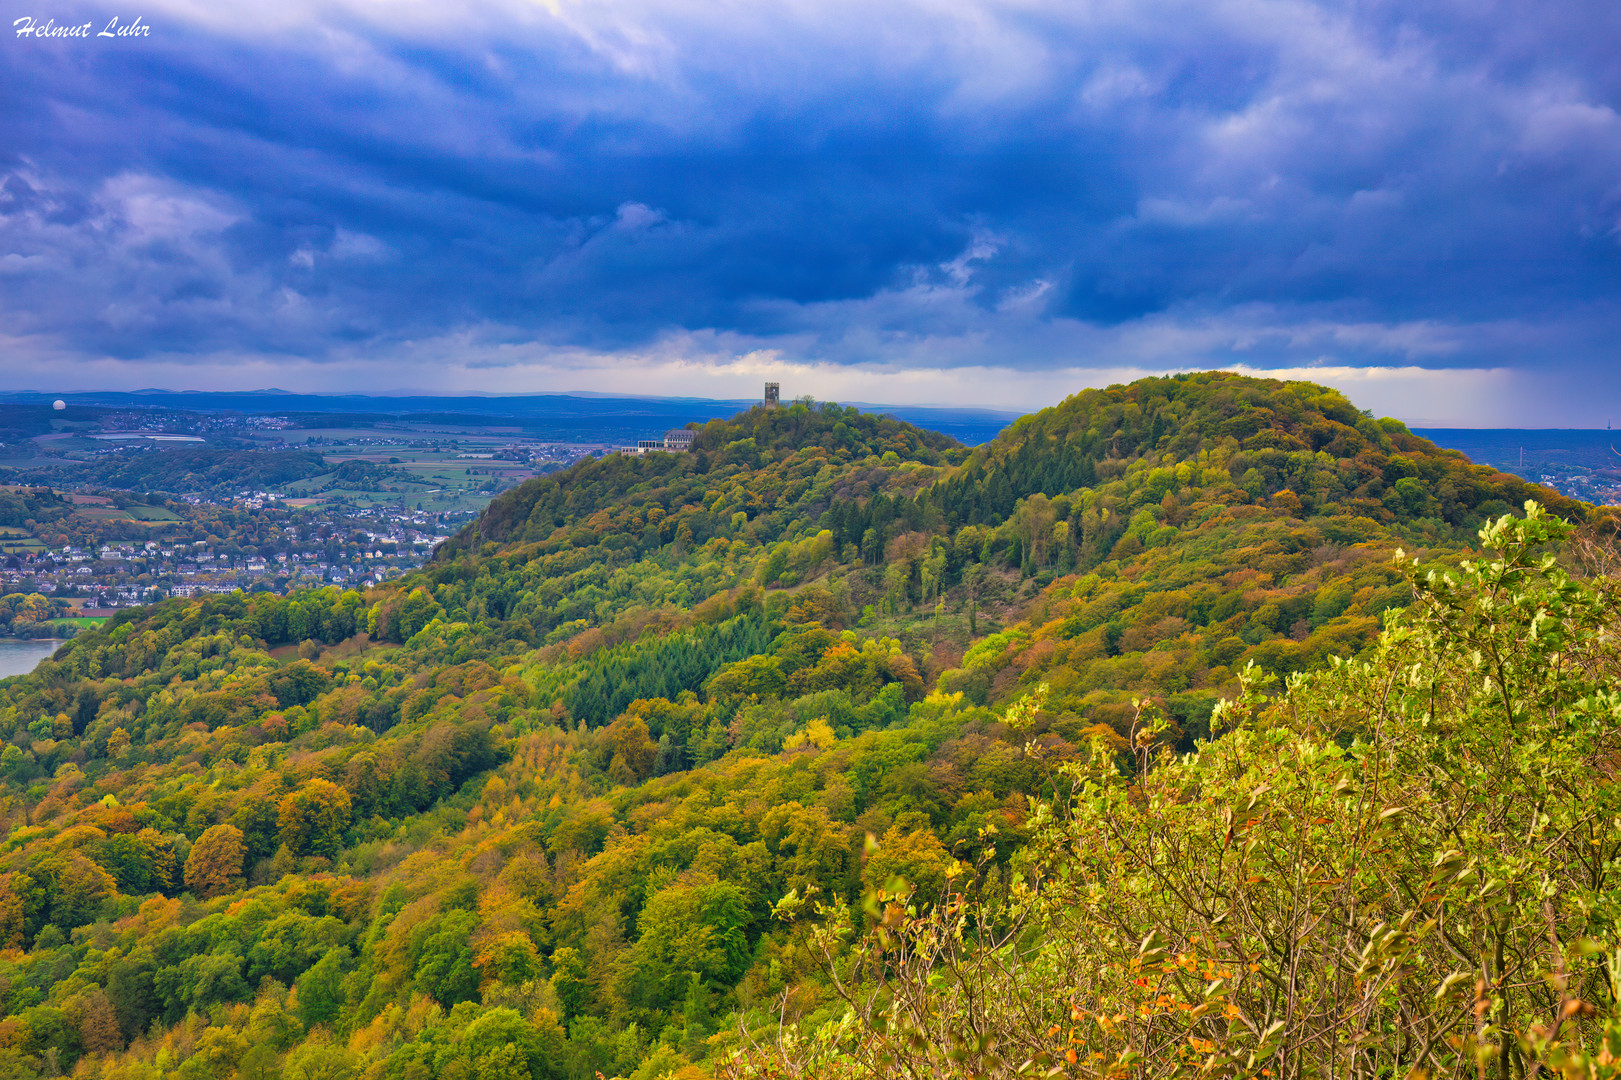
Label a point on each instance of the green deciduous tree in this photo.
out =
(569, 981)
(320, 989)
(686, 930)
(444, 969)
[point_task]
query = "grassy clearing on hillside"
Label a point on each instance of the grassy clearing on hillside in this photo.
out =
(80, 622)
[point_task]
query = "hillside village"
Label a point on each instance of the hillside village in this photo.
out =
(264, 546)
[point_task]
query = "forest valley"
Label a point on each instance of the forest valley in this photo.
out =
(1200, 726)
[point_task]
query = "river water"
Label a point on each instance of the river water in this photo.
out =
(19, 655)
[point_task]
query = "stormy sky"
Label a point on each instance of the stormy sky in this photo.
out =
(941, 202)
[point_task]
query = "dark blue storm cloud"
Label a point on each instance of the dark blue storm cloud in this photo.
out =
(999, 186)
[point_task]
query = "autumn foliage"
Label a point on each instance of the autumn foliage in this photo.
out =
(565, 801)
(215, 863)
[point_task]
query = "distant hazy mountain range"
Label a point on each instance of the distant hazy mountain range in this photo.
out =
(1573, 460)
(572, 417)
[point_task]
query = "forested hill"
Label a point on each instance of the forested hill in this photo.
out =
(530, 811)
(1270, 436)
(795, 445)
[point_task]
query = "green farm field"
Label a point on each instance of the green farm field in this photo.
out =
(81, 622)
(440, 480)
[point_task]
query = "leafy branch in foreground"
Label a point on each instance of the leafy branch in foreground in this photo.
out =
(1404, 866)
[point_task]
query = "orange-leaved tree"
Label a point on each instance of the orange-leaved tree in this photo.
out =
(214, 865)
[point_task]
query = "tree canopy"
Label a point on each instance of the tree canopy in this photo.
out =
(564, 801)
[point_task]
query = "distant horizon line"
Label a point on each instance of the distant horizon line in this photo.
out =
(486, 395)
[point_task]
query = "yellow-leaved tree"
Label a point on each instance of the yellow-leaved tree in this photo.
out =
(312, 818)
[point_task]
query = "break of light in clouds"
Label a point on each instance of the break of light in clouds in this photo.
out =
(980, 203)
